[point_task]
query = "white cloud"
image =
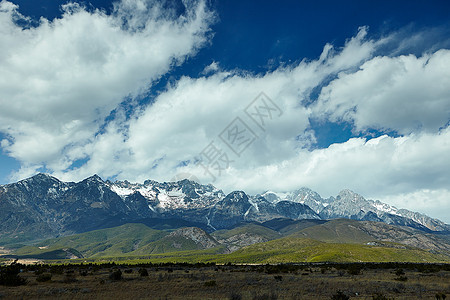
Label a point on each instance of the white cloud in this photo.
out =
(194, 111)
(211, 68)
(394, 170)
(59, 80)
(376, 168)
(431, 202)
(70, 90)
(404, 93)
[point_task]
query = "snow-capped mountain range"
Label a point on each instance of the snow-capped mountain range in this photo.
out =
(43, 206)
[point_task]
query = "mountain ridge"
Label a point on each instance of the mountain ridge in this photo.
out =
(45, 207)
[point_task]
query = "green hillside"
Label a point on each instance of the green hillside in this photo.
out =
(289, 226)
(168, 244)
(251, 229)
(132, 239)
(336, 231)
(291, 249)
(334, 241)
(104, 242)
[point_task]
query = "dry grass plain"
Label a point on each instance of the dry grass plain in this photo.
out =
(229, 282)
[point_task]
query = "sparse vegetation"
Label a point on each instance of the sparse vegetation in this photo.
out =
(233, 281)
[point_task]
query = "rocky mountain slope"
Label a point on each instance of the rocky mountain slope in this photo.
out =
(350, 205)
(43, 207)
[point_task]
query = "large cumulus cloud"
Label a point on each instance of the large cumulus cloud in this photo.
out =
(61, 79)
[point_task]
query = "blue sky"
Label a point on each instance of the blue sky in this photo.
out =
(143, 89)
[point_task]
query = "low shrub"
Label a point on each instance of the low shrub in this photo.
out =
(143, 272)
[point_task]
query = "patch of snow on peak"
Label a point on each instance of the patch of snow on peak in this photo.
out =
(164, 200)
(121, 191)
(175, 193)
(385, 208)
(254, 204)
(147, 192)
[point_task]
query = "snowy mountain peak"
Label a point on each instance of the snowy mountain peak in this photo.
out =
(184, 194)
(47, 199)
(94, 179)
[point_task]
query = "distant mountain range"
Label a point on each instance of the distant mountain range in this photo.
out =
(44, 207)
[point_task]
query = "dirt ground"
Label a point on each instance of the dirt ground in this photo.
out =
(228, 282)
